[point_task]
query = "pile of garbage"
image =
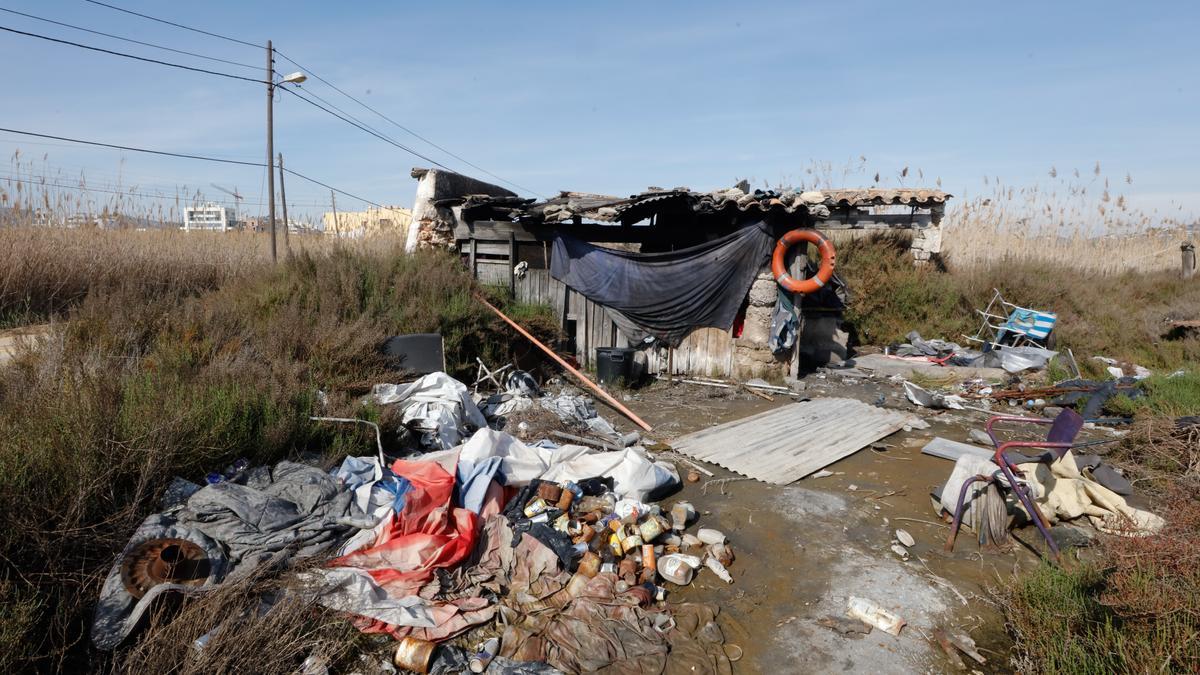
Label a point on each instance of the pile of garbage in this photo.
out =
(558, 551)
(625, 537)
(1013, 359)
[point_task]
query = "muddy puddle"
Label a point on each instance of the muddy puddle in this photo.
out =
(804, 548)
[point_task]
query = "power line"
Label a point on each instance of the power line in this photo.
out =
(401, 126)
(136, 42)
(133, 149)
(177, 25)
(335, 88)
(367, 129)
(181, 195)
(314, 181)
(131, 56)
(187, 156)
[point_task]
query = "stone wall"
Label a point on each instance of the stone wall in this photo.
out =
(751, 356)
(926, 244)
(433, 225)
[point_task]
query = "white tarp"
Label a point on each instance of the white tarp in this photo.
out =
(634, 474)
(437, 405)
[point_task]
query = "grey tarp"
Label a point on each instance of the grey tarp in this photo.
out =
(666, 295)
(287, 512)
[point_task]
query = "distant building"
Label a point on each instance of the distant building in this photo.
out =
(387, 220)
(210, 217)
(263, 224)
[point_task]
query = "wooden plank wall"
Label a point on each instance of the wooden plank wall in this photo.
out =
(708, 351)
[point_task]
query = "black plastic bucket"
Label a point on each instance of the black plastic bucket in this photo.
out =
(613, 364)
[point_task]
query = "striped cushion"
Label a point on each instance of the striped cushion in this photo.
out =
(1031, 323)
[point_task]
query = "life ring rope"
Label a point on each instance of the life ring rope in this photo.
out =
(824, 271)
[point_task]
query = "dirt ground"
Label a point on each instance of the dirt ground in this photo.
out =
(802, 549)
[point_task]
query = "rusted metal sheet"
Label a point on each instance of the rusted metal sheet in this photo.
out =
(786, 444)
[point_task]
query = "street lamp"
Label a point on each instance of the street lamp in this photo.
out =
(295, 78)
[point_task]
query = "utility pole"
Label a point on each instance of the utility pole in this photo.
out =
(283, 202)
(333, 200)
(271, 147)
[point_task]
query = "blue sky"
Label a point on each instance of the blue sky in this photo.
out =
(615, 97)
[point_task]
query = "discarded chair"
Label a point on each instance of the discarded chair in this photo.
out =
(1060, 438)
(1006, 324)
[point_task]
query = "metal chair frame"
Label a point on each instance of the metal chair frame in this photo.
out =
(1000, 330)
(1013, 476)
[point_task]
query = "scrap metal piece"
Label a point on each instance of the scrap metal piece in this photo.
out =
(164, 561)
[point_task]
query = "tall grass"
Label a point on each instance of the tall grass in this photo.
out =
(45, 271)
(1077, 223)
(1077, 219)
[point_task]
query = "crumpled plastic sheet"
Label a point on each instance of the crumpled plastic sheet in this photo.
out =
(1013, 359)
(427, 534)
(580, 411)
(927, 399)
(918, 346)
(437, 405)
(635, 475)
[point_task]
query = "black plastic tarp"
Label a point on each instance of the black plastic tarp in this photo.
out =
(666, 295)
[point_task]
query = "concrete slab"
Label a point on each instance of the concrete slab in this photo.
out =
(887, 366)
(10, 340)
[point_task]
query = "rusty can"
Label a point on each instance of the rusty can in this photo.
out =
(627, 569)
(536, 507)
(589, 565)
(564, 502)
(586, 534)
(649, 562)
(414, 654)
(614, 543)
(562, 523)
(632, 542)
(653, 527)
(550, 492)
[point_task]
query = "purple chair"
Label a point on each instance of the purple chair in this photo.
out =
(1063, 430)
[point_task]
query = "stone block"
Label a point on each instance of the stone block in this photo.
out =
(763, 292)
(757, 330)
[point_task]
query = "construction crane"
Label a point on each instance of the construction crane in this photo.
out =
(237, 198)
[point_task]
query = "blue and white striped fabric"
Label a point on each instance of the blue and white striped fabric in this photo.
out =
(1031, 323)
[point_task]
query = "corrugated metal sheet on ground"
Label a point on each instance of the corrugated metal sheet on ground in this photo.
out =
(786, 444)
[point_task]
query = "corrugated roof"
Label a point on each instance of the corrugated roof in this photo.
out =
(919, 197)
(607, 208)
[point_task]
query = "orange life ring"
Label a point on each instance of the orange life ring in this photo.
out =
(824, 272)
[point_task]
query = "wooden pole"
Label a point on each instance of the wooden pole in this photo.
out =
(569, 368)
(271, 147)
(1188, 259)
(333, 201)
(283, 203)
